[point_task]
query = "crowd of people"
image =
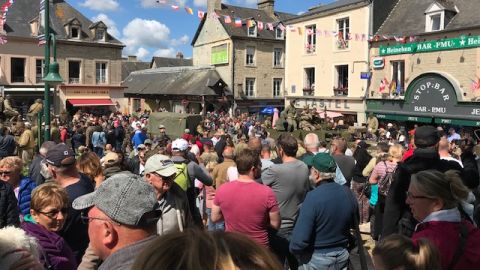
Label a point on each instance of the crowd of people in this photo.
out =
(108, 193)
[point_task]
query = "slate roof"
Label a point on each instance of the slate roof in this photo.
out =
(408, 16)
(191, 81)
(246, 13)
(170, 62)
(333, 7)
(23, 11)
(131, 66)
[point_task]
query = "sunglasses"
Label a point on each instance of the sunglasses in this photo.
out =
(2, 173)
(54, 213)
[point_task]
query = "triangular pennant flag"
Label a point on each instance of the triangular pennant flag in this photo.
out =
(175, 7)
(189, 10)
(3, 40)
(270, 26)
(357, 37)
(260, 25)
(292, 29)
(300, 30)
(319, 32)
(250, 23)
(281, 27)
(228, 19)
(238, 22)
(200, 14)
(385, 37)
(364, 37)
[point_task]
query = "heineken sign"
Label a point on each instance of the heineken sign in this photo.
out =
(462, 42)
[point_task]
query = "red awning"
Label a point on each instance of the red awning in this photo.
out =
(91, 102)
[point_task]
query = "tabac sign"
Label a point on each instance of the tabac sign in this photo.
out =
(462, 42)
(430, 95)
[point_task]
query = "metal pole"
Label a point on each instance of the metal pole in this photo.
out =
(46, 105)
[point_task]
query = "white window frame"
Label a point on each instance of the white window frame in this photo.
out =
(68, 60)
(279, 34)
(277, 91)
(430, 21)
(250, 92)
(307, 86)
(342, 41)
(103, 36)
(79, 31)
(280, 60)
(247, 59)
(311, 40)
(42, 68)
(255, 31)
(337, 79)
(98, 80)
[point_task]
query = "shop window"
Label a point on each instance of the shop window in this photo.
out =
(101, 73)
(39, 64)
(278, 57)
(343, 32)
(250, 87)
(17, 70)
(279, 33)
(309, 82)
(397, 84)
(341, 86)
(252, 31)
(250, 56)
(74, 72)
(277, 87)
(311, 39)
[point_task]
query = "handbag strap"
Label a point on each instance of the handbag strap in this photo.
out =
(462, 242)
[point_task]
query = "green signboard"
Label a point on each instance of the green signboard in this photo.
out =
(462, 42)
(403, 118)
(457, 122)
(220, 54)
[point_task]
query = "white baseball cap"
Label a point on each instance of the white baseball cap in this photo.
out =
(179, 145)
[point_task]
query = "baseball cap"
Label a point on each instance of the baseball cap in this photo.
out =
(160, 164)
(147, 141)
(123, 197)
(110, 158)
(60, 155)
(180, 145)
(426, 136)
(323, 162)
(161, 126)
(141, 146)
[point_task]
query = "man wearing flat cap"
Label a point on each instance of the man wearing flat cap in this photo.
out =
(60, 160)
(398, 217)
(325, 219)
(122, 216)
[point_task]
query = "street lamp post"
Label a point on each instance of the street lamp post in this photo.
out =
(52, 78)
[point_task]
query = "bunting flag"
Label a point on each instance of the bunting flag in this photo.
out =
(250, 23)
(270, 26)
(200, 14)
(281, 27)
(228, 19)
(238, 22)
(215, 16)
(357, 37)
(41, 40)
(175, 7)
(393, 86)
(309, 31)
(475, 84)
(292, 29)
(3, 39)
(260, 26)
(189, 10)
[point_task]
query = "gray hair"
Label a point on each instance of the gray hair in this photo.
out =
(311, 140)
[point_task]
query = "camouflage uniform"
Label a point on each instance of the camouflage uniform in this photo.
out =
(291, 113)
(33, 111)
(305, 120)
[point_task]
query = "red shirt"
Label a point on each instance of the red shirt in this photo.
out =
(63, 135)
(445, 236)
(246, 207)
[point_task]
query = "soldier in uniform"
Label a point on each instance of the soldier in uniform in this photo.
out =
(306, 119)
(268, 122)
(8, 110)
(291, 113)
(33, 111)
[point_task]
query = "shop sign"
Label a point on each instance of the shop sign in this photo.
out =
(462, 42)
(365, 75)
(219, 54)
(378, 62)
(457, 122)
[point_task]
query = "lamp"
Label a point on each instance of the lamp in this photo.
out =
(53, 78)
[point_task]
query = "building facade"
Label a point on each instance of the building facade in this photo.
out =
(89, 59)
(327, 56)
(250, 57)
(426, 66)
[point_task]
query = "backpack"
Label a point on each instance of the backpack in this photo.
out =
(386, 182)
(182, 176)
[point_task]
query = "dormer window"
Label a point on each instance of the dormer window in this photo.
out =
(73, 27)
(252, 31)
(99, 31)
(75, 32)
(279, 32)
(100, 34)
(438, 15)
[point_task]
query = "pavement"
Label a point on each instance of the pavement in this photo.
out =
(368, 244)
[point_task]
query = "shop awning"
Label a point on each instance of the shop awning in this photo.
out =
(404, 118)
(91, 102)
(457, 122)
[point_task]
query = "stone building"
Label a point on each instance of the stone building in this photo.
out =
(88, 56)
(249, 58)
(327, 53)
(425, 64)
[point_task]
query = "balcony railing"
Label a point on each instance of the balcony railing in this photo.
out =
(74, 80)
(342, 44)
(310, 48)
(308, 91)
(340, 91)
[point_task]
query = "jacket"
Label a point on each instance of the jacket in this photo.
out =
(24, 195)
(9, 212)
(98, 139)
(35, 169)
(138, 138)
(445, 236)
(395, 206)
(56, 252)
(219, 173)
(124, 258)
(26, 140)
(7, 145)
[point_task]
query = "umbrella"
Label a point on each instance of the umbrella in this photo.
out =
(330, 114)
(267, 110)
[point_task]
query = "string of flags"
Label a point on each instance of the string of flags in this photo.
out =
(239, 22)
(3, 19)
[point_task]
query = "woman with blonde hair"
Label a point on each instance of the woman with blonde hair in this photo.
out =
(11, 172)
(434, 200)
(397, 252)
(200, 250)
(89, 164)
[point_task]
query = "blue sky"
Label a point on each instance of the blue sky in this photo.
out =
(152, 29)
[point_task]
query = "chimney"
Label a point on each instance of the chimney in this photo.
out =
(213, 5)
(268, 6)
(179, 55)
(132, 58)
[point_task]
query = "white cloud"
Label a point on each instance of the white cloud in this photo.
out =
(168, 52)
(149, 33)
(300, 13)
(200, 3)
(101, 5)
(142, 53)
(153, 3)
(181, 41)
(112, 26)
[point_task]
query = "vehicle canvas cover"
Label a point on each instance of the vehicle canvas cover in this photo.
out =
(175, 123)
